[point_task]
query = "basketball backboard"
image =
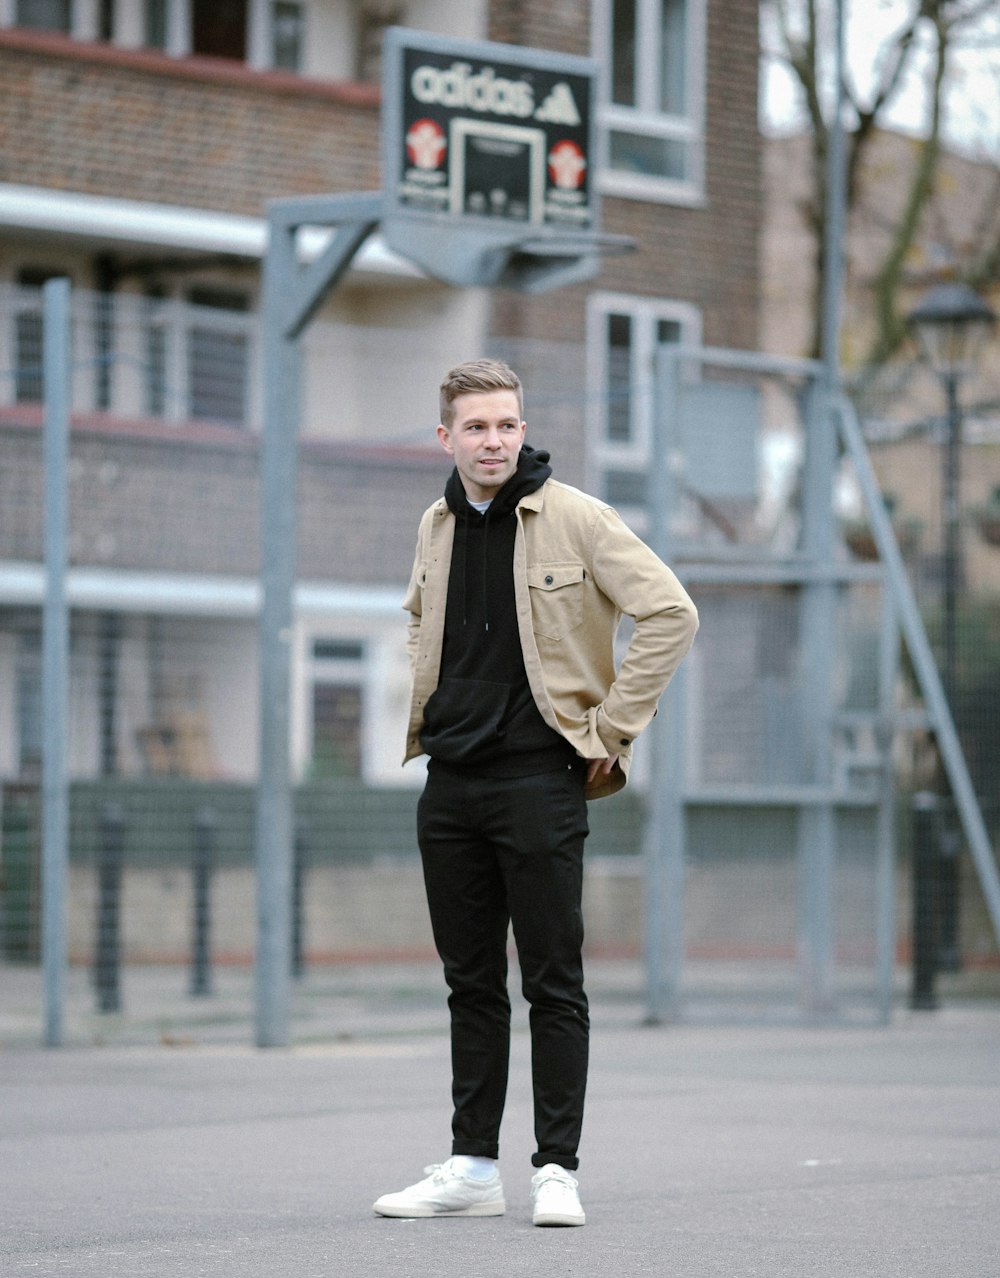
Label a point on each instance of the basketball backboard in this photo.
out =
(487, 154)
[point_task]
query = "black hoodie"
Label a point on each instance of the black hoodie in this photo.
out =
(482, 711)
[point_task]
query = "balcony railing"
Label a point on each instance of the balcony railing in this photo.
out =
(139, 356)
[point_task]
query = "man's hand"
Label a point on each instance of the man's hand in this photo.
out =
(596, 766)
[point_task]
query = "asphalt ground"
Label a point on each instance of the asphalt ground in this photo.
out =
(724, 1150)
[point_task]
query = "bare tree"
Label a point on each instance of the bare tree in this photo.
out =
(921, 49)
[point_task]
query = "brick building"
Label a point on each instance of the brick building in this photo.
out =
(139, 145)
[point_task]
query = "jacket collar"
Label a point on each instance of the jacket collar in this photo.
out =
(534, 501)
(530, 501)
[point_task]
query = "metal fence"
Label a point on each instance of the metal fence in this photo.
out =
(786, 893)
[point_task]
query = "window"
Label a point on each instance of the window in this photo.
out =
(336, 709)
(197, 357)
(286, 36)
(623, 335)
(217, 355)
(219, 30)
(29, 705)
(651, 113)
(373, 18)
(155, 334)
(155, 24)
(28, 365)
(43, 15)
(28, 336)
(104, 347)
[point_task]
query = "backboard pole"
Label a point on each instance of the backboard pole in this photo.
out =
(278, 531)
(291, 295)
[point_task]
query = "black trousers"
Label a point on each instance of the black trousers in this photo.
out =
(499, 851)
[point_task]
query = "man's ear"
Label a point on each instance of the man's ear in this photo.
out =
(444, 435)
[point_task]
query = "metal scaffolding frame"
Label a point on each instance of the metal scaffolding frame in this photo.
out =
(819, 573)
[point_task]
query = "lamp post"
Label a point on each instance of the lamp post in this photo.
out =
(950, 324)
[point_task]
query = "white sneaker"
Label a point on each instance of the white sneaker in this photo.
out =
(445, 1192)
(554, 1193)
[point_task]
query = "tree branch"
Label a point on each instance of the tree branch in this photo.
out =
(890, 327)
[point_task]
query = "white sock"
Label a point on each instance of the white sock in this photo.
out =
(473, 1166)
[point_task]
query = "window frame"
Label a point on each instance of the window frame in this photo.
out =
(351, 669)
(646, 119)
(273, 23)
(173, 323)
(646, 313)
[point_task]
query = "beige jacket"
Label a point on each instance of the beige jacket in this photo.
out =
(577, 569)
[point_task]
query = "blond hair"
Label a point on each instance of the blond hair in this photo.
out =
(474, 377)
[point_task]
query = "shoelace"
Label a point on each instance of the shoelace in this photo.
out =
(440, 1172)
(562, 1178)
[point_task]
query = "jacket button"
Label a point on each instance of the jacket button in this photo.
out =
(624, 741)
(548, 581)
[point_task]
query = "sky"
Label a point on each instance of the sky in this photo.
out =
(972, 107)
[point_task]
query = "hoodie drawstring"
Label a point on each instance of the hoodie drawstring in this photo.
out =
(466, 519)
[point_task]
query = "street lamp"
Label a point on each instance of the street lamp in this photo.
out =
(951, 323)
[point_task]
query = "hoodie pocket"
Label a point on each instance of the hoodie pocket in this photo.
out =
(556, 594)
(464, 718)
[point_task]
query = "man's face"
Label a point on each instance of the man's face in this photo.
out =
(484, 438)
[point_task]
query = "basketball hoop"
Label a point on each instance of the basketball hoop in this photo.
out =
(579, 244)
(478, 255)
(489, 168)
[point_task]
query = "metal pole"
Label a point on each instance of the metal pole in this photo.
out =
(951, 560)
(949, 947)
(817, 832)
(885, 827)
(55, 654)
(665, 824)
(278, 524)
(818, 823)
(291, 296)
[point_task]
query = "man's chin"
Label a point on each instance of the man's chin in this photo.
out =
(491, 479)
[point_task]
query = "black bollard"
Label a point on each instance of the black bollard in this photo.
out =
(109, 894)
(926, 829)
(205, 831)
(950, 846)
(299, 868)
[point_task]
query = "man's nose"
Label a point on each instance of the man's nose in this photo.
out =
(492, 437)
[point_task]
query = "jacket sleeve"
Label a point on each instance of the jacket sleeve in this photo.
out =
(642, 587)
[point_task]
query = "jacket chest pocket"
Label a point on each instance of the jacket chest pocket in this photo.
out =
(556, 593)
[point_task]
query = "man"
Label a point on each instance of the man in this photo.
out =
(518, 585)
